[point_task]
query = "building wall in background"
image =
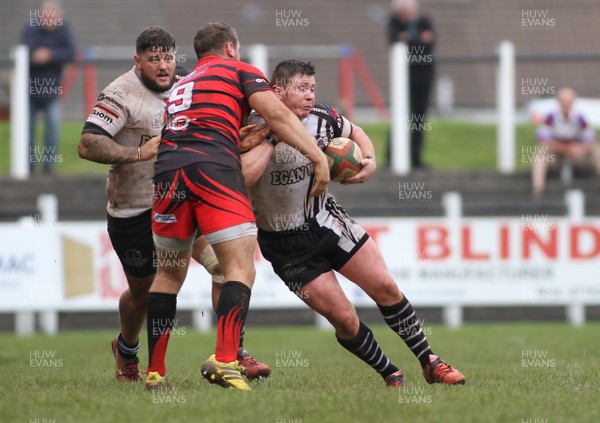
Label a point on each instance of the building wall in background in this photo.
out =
(464, 27)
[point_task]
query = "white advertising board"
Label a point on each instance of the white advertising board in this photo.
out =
(532, 260)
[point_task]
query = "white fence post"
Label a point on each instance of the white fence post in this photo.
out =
(452, 313)
(505, 106)
(24, 323)
(48, 321)
(19, 114)
(259, 57)
(47, 205)
(576, 314)
(399, 109)
(202, 320)
(445, 95)
(575, 201)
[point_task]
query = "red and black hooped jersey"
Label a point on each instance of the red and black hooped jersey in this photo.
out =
(205, 111)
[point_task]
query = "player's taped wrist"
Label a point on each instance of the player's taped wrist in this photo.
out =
(209, 260)
(139, 154)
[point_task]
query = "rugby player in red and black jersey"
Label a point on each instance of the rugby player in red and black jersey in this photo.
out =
(199, 186)
(122, 130)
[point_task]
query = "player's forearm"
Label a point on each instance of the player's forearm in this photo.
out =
(102, 149)
(364, 142)
(255, 161)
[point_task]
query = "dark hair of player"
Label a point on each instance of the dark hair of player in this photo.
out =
(155, 38)
(285, 70)
(212, 38)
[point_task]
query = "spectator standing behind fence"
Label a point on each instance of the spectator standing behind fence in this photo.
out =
(409, 26)
(564, 138)
(51, 46)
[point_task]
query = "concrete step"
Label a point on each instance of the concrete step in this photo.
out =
(485, 193)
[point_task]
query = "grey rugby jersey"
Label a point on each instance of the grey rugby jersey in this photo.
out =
(131, 114)
(280, 197)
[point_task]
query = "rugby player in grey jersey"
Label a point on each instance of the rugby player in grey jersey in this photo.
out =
(306, 238)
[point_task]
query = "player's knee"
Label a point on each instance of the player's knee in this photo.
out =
(387, 292)
(245, 274)
(345, 320)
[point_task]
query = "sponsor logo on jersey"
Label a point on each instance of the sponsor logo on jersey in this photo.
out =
(103, 114)
(318, 110)
(164, 218)
(119, 92)
(179, 123)
(290, 271)
(157, 120)
(106, 99)
(292, 176)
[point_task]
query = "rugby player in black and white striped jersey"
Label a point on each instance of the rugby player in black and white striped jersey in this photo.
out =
(306, 238)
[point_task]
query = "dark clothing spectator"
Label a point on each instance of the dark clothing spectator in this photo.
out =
(51, 46)
(416, 30)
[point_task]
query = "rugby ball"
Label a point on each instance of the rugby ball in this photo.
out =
(344, 157)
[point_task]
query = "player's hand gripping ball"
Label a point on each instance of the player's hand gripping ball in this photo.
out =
(344, 157)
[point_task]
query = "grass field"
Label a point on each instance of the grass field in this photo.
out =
(516, 373)
(449, 145)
